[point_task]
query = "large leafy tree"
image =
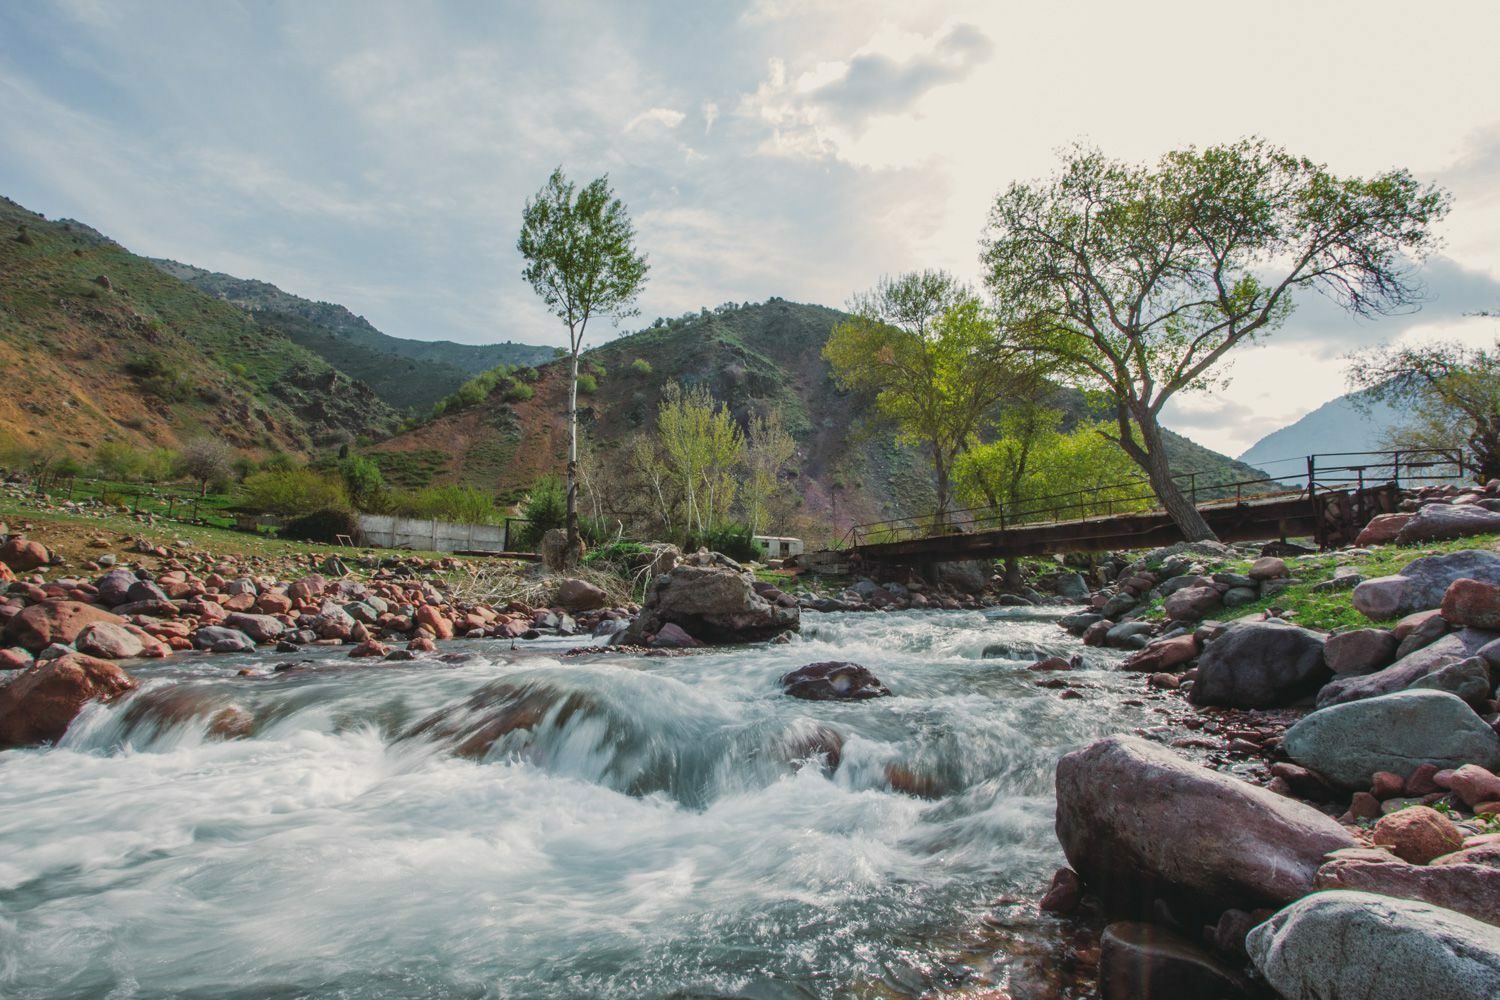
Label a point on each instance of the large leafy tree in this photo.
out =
(1451, 395)
(926, 345)
(1141, 279)
(581, 258)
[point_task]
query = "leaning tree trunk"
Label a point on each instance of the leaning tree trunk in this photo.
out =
(574, 546)
(1153, 459)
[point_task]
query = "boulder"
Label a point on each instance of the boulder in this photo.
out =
(1119, 604)
(1192, 603)
(1064, 894)
(580, 595)
(1072, 586)
(1348, 743)
(1139, 961)
(42, 701)
(671, 636)
(713, 600)
(1267, 568)
(1381, 598)
(109, 641)
(1163, 655)
(429, 617)
(1138, 823)
(1418, 834)
(1472, 603)
(54, 621)
(1358, 944)
(1360, 651)
(833, 681)
(24, 555)
(967, 576)
(1382, 528)
(261, 628)
(1429, 578)
(1260, 665)
(1468, 888)
(114, 587)
(1438, 522)
(1471, 783)
(1469, 679)
(1406, 671)
(217, 639)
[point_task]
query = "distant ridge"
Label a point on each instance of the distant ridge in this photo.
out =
(1351, 422)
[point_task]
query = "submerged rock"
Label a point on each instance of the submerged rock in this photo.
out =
(1358, 944)
(1140, 961)
(833, 681)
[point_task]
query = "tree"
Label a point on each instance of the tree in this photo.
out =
(363, 481)
(701, 446)
(926, 345)
(1453, 399)
(579, 247)
(767, 453)
(207, 460)
(1140, 280)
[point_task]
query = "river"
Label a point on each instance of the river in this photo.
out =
(643, 829)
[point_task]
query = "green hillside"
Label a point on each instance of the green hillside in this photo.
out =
(408, 374)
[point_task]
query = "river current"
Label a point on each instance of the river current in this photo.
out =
(528, 824)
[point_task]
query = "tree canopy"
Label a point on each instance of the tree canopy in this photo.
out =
(1139, 280)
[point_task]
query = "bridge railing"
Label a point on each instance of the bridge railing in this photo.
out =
(1321, 473)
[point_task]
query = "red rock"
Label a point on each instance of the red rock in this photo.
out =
(1474, 784)
(1051, 663)
(1095, 633)
(1267, 568)
(1364, 806)
(1385, 785)
(1472, 889)
(429, 616)
(7, 575)
(1382, 528)
(1360, 651)
(1472, 603)
(1162, 655)
(24, 555)
(580, 595)
(109, 641)
(1420, 782)
(1414, 621)
(370, 647)
(422, 644)
(1165, 681)
(15, 658)
(1418, 834)
(51, 621)
(1192, 603)
(1065, 893)
(40, 704)
(273, 604)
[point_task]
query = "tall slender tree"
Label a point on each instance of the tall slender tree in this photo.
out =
(1141, 279)
(581, 258)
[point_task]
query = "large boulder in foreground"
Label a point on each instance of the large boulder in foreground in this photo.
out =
(1439, 521)
(1260, 665)
(1139, 823)
(1358, 944)
(40, 704)
(54, 620)
(1422, 583)
(713, 599)
(1408, 671)
(1398, 732)
(1470, 889)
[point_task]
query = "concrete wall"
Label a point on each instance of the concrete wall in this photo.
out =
(438, 536)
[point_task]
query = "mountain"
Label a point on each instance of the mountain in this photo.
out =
(1350, 423)
(753, 358)
(408, 374)
(99, 345)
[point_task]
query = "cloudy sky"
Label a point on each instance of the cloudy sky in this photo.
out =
(378, 155)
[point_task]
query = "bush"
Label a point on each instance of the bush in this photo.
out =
(459, 504)
(363, 480)
(618, 557)
(545, 507)
(294, 492)
(641, 366)
(116, 460)
(587, 384)
(519, 392)
(734, 540)
(324, 526)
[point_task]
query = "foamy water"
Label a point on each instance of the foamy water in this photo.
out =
(528, 825)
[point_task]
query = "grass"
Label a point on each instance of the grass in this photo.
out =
(1334, 610)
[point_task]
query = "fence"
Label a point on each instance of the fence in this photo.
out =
(389, 531)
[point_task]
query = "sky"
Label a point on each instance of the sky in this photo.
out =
(378, 155)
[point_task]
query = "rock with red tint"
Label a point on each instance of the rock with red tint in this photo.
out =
(23, 555)
(1421, 781)
(1438, 522)
(261, 628)
(15, 658)
(1360, 651)
(671, 636)
(1267, 568)
(429, 617)
(272, 603)
(49, 621)
(1140, 823)
(833, 681)
(1385, 785)
(1363, 806)
(1095, 633)
(1470, 889)
(580, 595)
(1193, 603)
(1418, 834)
(370, 647)
(1472, 603)
(916, 784)
(1382, 528)
(308, 589)
(422, 644)
(1064, 894)
(40, 704)
(1163, 655)
(109, 642)
(1051, 663)
(1473, 784)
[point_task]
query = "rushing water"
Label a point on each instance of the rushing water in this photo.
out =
(524, 824)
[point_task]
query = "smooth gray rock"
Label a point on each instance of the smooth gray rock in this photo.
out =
(261, 628)
(1428, 578)
(1436, 522)
(1260, 665)
(1397, 732)
(1117, 606)
(1406, 671)
(1343, 944)
(1072, 586)
(1236, 597)
(1469, 679)
(217, 639)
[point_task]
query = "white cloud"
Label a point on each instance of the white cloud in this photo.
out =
(710, 115)
(665, 117)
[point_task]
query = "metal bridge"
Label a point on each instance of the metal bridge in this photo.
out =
(1329, 499)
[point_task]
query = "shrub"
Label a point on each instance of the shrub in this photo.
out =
(324, 526)
(587, 384)
(544, 507)
(641, 366)
(519, 392)
(117, 460)
(294, 492)
(734, 540)
(363, 480)
(459, 504)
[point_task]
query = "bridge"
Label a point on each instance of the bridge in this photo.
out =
(1329, 499)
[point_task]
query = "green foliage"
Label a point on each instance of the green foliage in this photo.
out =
(736, 541)
(545, 507)
(519, 392)
(362, 480)
(117, 460)
(617, 557)
(587, 384)
(700, 447)
(409, 469)
(641, 366)
(449, 502)
(294, 492)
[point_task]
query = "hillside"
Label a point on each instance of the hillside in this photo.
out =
(753, 358)
(408, 374)
(100, 345)
(1343, 424)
